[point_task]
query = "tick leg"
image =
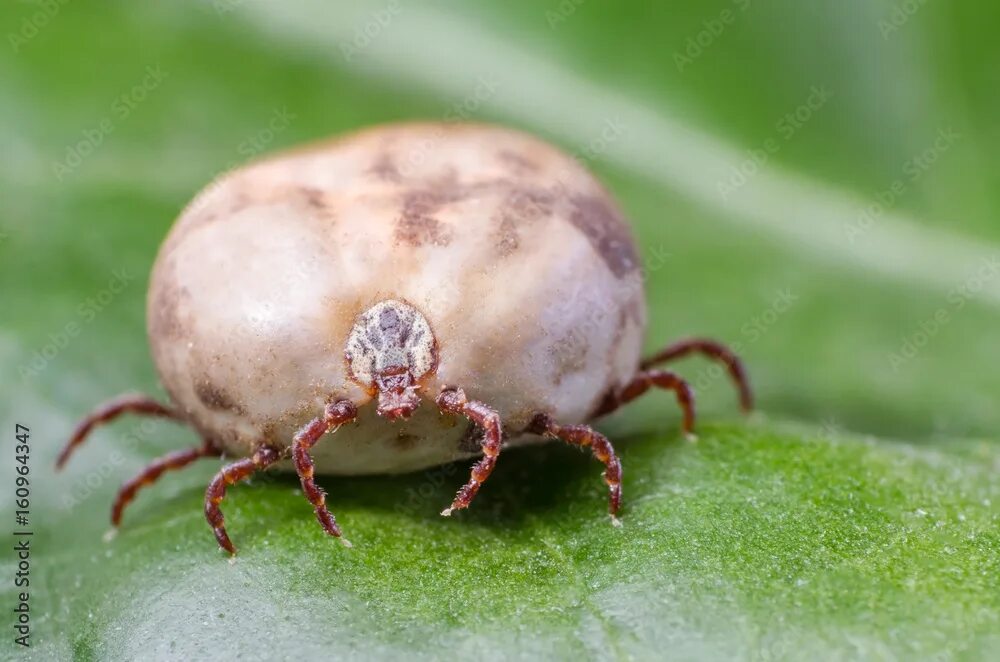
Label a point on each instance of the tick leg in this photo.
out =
(713, 350)
(453, 401)
(584, 435)
(153, 471)
(642, 382)
(230, 475)
(109, 411)
(335, 415)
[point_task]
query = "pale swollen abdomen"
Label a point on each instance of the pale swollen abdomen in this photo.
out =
(517, 259)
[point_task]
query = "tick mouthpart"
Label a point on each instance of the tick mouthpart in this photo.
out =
(397, 394)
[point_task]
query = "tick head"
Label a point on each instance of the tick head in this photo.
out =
(390, 348)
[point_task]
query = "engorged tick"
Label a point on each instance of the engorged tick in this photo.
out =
(468, 265)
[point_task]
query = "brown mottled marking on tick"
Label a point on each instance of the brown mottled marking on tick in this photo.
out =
(634, 309)
(508, 239)
(606, 231)
(620, 328)
(165, 317)
(569, 354)
(268, 433)
(384, 168)
(522, 205)
(416, 225)
(215, 398)
(313, 197)
(530, 203)
(519, 163)
(241, 199)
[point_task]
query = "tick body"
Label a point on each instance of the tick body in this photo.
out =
(425, 292)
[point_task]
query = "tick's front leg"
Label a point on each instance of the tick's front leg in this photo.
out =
(454, 401)
(335, 415)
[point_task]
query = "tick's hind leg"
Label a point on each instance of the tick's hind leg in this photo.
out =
(642, 382)
(584, 435)
(453, 401)
(713, 350)
(109, 411)
(230, 475)
(153, 471)
(335, 415)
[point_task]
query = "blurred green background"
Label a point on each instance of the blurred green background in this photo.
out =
(814, 182)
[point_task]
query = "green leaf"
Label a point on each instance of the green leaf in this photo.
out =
(856, 517)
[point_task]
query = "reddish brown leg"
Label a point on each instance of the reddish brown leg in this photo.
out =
(152, 472)
(584, 435)
(110, 410)
(453, 401)
(335, 415)
(230, 475)
(645, 380)
(713, 350)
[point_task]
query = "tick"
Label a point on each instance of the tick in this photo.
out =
(428, 292)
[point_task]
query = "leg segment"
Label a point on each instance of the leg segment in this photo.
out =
(110, 410)
(453, 401)
(335, 415)
(230, 475)
(713, 350)
(584, 435)
(647, 379)
(151, 473)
